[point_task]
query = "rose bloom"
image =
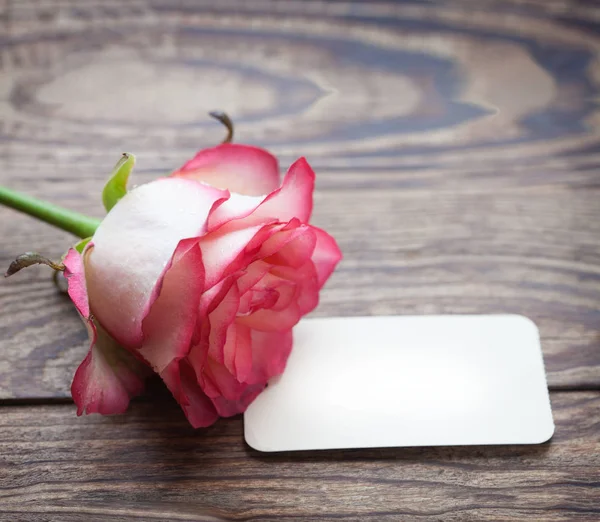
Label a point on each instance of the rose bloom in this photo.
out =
(199, 277)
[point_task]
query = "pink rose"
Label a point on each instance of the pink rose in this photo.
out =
(199, 284)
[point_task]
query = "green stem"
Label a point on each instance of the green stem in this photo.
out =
(68, 220)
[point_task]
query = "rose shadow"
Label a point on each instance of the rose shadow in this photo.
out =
(160, 400)
(450, 455)
(183, 463)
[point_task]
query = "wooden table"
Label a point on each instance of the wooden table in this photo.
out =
(457, 150)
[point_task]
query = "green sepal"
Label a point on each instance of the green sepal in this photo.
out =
(81, 244)
(116, 187)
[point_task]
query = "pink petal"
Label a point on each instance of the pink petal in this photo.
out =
(75, 276)
(292, 200)
(218, 321)
(229, 408)
(269, 320)
(238, 351)
(134, 245)
(169, 326)
(273, 236)
(286, 291)
(224, 253)
(270, 291)
(238, 206)
(219, 382)
(108, 377)
(239, 168)
(181, 380)
(304, 300)
(228, 395)
(270, 352)
(251, 275)
(305, 277)
(211, 298)
(326, 255)
(226, 343)
(290, 248)
(217, 310)
(259, 299)
(220, 301)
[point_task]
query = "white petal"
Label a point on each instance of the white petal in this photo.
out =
(133, 247)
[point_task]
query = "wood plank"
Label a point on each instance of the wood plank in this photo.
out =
(456, 146)
(350, 84)
(151, 465)
(404, 254)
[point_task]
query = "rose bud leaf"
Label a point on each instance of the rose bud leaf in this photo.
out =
(80, 245)
(116, 187)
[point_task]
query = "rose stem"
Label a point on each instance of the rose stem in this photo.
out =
(225, 120)
(68, 220)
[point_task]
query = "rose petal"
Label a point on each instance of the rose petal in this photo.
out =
(169, 326)
(238, 206)
(237, 351)
(251, 275)
(133, 247)
(293, 200)
(75, 275)
(240, 168)
(258, 299)
(305, 299)
(222, 250)
(284, 289)
(219, 320)
(269, 320)
(181, 380)
(270, 352)
(305, 277)
(108, 377)
(219, 382)
(229, 408)
(227, 251)
(326, 255)
(226, 343)
(230, 397)
(219, 295)
(291, 247)
(227, 393)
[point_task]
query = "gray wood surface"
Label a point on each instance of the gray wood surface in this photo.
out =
(457, 151)
(151, 465)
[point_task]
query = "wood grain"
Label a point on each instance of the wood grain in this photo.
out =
(150, 465)
(457, 149)
(430, 253)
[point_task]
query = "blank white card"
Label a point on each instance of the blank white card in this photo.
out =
(360, 382)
